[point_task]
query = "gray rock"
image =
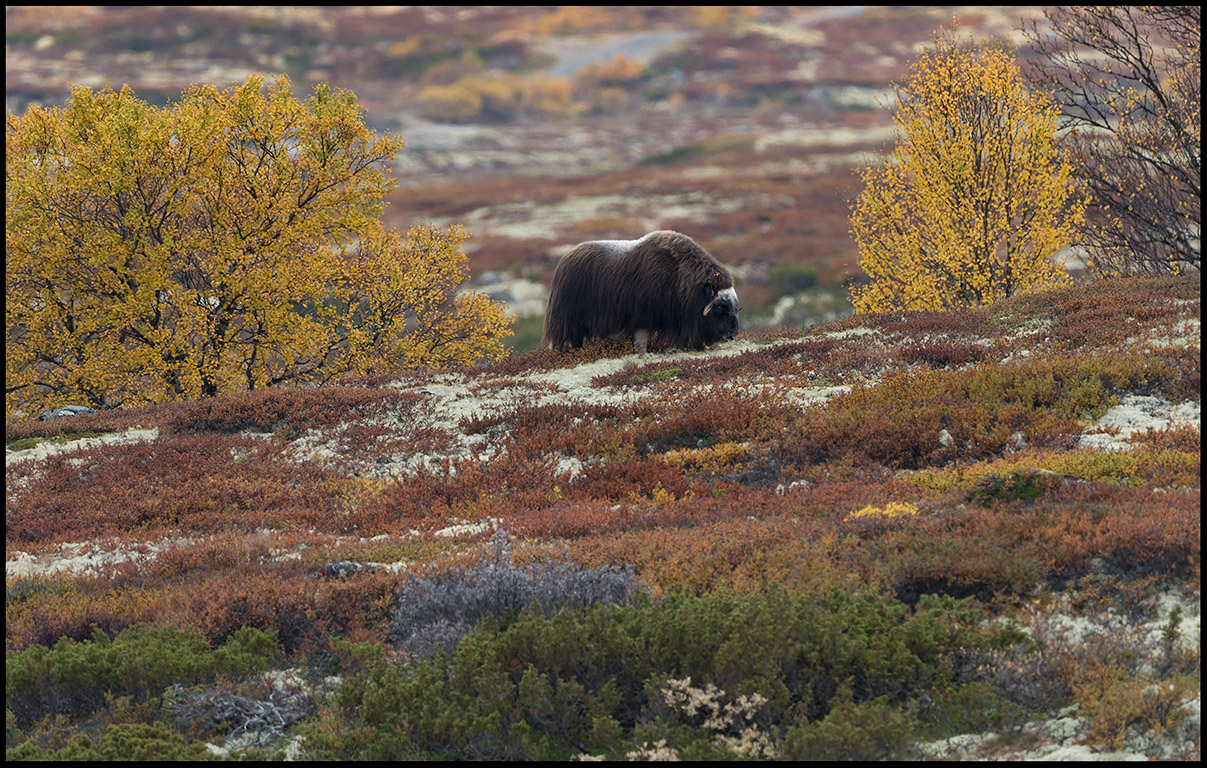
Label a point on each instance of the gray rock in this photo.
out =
(346, 568)
(66, 410)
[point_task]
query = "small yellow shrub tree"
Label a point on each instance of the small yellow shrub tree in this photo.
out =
(229, 241)
(975, 200)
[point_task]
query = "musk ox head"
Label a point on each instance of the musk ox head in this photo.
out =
(663, 284)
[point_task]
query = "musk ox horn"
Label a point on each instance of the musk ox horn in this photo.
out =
(727, 294)
(662, 284)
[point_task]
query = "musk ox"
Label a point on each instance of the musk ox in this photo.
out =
(662, 284)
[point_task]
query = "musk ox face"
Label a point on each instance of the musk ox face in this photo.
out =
(663, 284)
(720, 314)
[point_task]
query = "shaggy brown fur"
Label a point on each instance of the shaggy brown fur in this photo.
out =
(663, 284)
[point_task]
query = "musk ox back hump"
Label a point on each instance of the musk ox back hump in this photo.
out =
(663, 283)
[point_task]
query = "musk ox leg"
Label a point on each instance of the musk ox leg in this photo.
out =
(639, 340)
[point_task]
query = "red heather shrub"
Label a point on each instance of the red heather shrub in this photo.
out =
(221, 594)
(1105, 312)
(359, 448)
(1006, 550)
(543, 360)
(920, 323)
(633, 480)
(116, 420)
(941, 354)
(1186, 365)
(700, 418)
(1186, 438)
(811, 358)
(291, 410)
(572, 520)
(1114, 310)
(1012, 547)
(220, 553)
(963, 552)
(463, 489)
(1150, 531)
(785, 359)
(556, 426)
(856, 358)
(302, 606)
(207, 483)
(43, 613)
(638, 497)
(670, 419)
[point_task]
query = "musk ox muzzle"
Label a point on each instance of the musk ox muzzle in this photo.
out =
(663, 284)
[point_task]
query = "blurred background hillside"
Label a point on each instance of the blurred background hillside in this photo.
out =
(538, 127)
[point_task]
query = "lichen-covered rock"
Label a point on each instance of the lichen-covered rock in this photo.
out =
(66, 410)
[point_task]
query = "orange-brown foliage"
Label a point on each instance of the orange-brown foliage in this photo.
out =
(207, 483)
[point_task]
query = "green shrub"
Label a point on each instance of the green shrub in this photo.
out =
(871, 730)
(141, 661)
(127, 742)
(974, 707)
(546, 686)
(121, 741)
(23, 588)
(25, 443)
(1024, 485)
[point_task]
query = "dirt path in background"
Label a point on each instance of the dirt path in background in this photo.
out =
(575, 53)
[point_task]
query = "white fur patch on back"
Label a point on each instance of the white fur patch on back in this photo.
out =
(617, 247)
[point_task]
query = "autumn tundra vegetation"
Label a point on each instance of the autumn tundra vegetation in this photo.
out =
(318, 512)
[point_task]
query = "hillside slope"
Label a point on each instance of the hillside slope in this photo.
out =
(1034, 465)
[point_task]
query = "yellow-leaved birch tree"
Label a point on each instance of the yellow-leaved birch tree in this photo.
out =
(226, 242)
(975, 200)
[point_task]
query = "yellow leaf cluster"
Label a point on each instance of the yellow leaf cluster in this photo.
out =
(202, 248)
(890, 510)
(975, 200)
(715, 459)
(410, 313)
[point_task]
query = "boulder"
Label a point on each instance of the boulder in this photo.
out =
(66, 410)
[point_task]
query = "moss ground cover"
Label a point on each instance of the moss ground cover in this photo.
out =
(703, 558)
